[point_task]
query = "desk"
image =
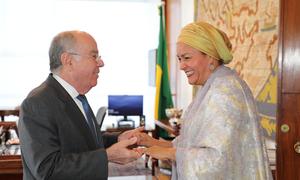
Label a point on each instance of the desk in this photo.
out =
(10, 165)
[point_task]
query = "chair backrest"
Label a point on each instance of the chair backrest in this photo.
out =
(100, 115)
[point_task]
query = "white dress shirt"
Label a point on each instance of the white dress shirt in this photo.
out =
(71, 91)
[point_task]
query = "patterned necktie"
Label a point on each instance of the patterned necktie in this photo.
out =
(89, 114)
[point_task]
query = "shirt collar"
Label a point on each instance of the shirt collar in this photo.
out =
(68, 87)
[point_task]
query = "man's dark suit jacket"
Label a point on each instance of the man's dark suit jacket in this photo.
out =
(56, 142)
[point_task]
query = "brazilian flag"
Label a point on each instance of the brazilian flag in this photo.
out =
(163, 98)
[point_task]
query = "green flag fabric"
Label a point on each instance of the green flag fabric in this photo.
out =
(163, 97)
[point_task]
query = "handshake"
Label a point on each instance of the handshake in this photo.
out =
(134, 143)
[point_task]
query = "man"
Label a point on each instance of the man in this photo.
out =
(58, 132)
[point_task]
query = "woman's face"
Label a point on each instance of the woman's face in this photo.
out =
(194, 63)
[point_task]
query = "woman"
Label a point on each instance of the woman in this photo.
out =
(220, 135)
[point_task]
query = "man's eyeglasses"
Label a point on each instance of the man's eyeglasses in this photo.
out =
(94, 57)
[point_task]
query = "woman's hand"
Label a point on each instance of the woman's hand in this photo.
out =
(144, 139)
(161, 153)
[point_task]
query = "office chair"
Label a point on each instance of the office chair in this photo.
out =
(100, 115)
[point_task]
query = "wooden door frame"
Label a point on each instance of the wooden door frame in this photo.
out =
(288, 106)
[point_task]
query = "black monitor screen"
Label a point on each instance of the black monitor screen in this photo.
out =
(125, 105)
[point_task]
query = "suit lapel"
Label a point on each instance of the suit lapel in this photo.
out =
(74, 112)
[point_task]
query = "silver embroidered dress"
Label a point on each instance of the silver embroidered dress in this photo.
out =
(220, 137)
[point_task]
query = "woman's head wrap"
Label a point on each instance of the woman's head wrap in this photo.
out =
(207, 39)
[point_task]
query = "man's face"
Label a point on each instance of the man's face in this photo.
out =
(85, 63)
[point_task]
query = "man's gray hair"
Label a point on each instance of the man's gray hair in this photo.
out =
(61, 43)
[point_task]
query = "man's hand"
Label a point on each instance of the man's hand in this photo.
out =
(129, 134)
(119, 153)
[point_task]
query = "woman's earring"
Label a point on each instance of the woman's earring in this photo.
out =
(211, 67)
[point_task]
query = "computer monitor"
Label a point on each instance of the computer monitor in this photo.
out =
(125, 105)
